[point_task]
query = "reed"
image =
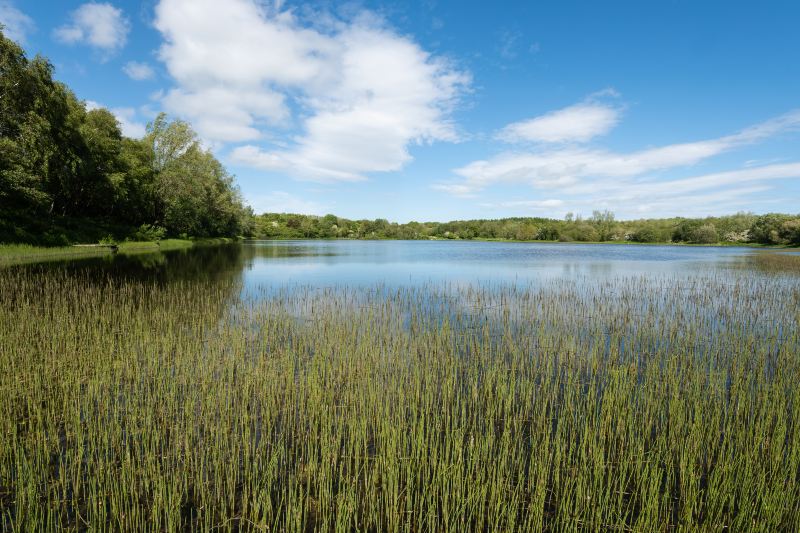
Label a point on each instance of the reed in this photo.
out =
(776, 261)
(633, 404)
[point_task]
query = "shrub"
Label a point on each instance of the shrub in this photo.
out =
(547, 233)
(767, 228)
(790, 231)
(705, 234)
(584, 233)
(684, 232)
(696, 231)
(148, 232)
(644, 234)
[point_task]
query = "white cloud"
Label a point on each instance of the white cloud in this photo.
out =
(138, 71)
(703, 195)
(456, 189)
(128, 122)
(357, 93)
(578, 123)
(100, 25)
(16, 24)
(126, 116)
(528, 204)
(720, 181)
(581, 167)
(283, 202)
(226, 114)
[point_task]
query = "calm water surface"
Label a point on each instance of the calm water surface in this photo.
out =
(280, 264)
(416, 262)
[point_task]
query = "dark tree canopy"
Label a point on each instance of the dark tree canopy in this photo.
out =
(58, 159)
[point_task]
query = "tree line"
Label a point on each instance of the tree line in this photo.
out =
(602, 226)
(61, 163)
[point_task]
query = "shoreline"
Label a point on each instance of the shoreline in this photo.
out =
(16, 254)
(625, 243)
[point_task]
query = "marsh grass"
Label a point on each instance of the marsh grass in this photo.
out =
(18, 254)
(633, 404)
(776, 261)
(22, 253)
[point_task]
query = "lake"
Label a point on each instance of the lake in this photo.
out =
(322, 263)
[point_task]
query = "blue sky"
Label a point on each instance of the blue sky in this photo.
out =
(439, 110)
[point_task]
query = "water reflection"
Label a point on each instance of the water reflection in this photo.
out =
(404, 263)
(196, 264)
(278, 264)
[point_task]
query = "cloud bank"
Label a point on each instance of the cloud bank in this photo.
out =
(354, 93)
(556, 159)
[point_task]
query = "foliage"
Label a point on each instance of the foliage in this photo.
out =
(148, 232)
(59, 160)
(602, 226)
(775, 228)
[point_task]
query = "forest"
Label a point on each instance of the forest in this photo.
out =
(602, 226)
(68, 174)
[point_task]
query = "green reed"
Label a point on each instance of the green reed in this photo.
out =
(775, 261)
(633, 404)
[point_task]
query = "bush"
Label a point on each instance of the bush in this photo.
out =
(790, 231)
(705, 234)
(147, 232)
(684, 232)
(645, 234)
(584, 233)
(696, 231)
(547, 233)
(768, 229)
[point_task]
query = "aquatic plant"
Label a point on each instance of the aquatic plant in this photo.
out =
(634, 404)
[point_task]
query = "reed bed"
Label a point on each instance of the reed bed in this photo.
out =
(776, 261)
(632, 404)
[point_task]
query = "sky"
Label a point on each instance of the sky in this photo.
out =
(437, 110)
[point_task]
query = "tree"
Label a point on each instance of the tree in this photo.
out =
(26, 137)
(195, 195)
(603, 221)
(768, 229)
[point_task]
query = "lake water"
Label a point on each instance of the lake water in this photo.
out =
(277, 264)
(416, 262)
(450, 278)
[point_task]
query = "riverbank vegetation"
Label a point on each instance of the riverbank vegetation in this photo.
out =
(26, 253)
(628, 404)
(741, 228)
(67, 174)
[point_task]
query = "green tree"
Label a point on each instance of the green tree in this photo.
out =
(603, 221)
(768, 229)
(195, 195)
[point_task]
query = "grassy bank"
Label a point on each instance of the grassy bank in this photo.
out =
(621, 405)
(26, 253)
